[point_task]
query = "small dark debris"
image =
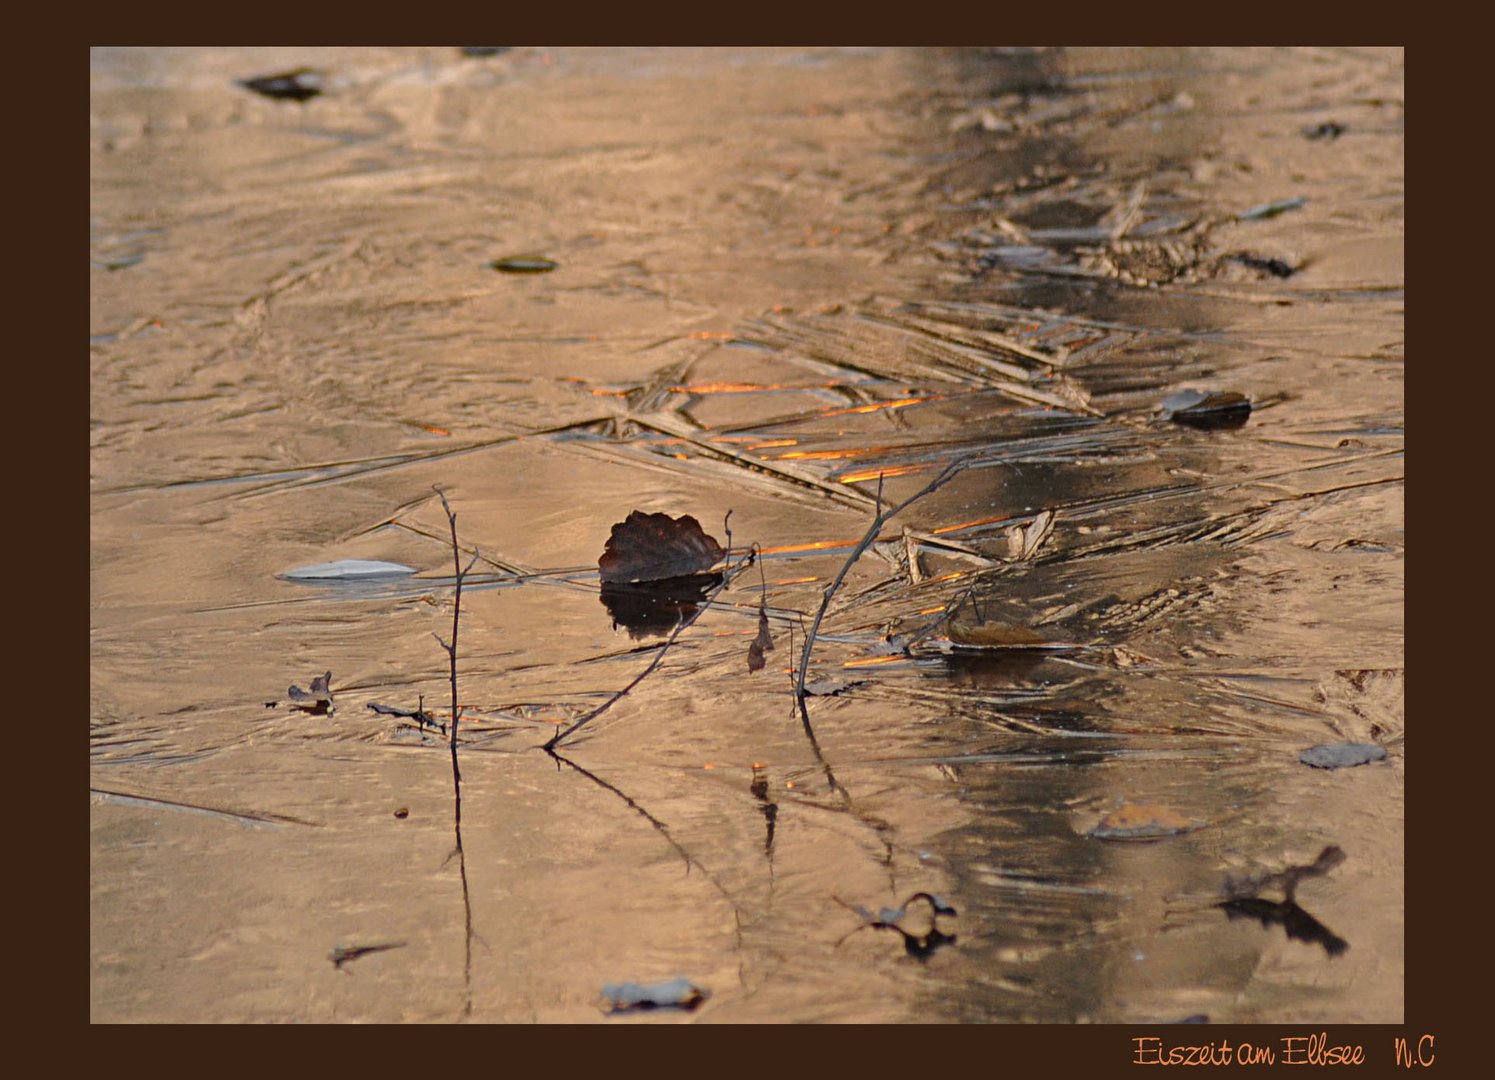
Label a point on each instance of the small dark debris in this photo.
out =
(418, 714)
(402, 813)
(1208, 409)
(479, 51)
(918, 945)
(921, 947)
(299, 85)
(1329, 130)
(342, 954)
(524, 264)
(317, 701)
(1342, 755)
(1275, 267)
(759, 790)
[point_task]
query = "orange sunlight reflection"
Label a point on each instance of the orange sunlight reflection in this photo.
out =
(831, 455)
(722, 388)
(878, 406)
(970, 524)
(890, 470)
(818, 545)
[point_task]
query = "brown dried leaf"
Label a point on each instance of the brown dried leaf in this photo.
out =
(761, 644)
(653, 547)
(765, 639)
(756, 660)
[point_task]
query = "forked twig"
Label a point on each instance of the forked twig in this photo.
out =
(882, 518)
(451, 651)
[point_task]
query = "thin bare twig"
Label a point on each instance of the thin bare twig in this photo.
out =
(451, 650)
(882, 518)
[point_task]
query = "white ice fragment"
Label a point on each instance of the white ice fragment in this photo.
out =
(347, 570)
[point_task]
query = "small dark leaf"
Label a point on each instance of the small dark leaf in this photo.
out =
(1329, 131)
(1206, 408)
(299, 85)
(1275, 267)
(653, 547)
(524, 264)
